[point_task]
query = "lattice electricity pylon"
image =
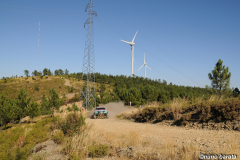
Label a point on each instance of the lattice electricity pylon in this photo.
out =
(88, 87)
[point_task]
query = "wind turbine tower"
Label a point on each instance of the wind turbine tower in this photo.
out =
(88, 70)
(132, 47)
(144, 64)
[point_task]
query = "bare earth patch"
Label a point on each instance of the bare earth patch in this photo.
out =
(167, 141)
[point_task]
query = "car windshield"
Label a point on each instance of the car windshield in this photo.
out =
(100, 108)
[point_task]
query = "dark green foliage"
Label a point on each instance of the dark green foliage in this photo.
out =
(22, 103)
(49, 72)
(54, 101)
(149, 92)
(75, 108)
(236, 92)
(66, 72)
(69, 109)
(14, 145)
(35, 73)
(36, 88)
(220, 77)
(45, 107)
(139, 90)
(70, 89)
(8, 110)
(45, 71)
(72, 124)
(98, 151)
(26, 72)
(33, 110)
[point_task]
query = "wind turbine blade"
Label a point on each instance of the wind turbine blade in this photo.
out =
(134, 37)
(148, 67)
(126, 41)
(140, 67)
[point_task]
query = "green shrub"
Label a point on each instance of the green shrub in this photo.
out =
(74, 107)
(98, 151)
(14, 145)
(71, 89)
(73, 123)
(69, 109)
(46, 77)
(60, 86)
(61, 111)
(36, 88)
(33, 78)
(58, 137)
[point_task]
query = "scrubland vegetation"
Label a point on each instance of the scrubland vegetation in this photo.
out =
(159, 101)
(184, 110)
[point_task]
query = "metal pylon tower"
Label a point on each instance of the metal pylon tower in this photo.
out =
(88, 70)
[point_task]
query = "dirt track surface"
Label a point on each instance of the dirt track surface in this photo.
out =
(114, 108)
(204, 141)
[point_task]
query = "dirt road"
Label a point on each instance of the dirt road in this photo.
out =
(158, 136)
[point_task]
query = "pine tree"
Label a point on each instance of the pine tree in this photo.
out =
(22, 103)
(220, 77)
(9, 111)
(33, 110)
(2, 100)
(54, 101)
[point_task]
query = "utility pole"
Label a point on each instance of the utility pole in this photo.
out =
(88, 87)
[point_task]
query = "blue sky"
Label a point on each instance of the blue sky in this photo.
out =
(182, 40)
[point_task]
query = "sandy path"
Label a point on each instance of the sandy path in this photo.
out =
(69, 95)
(204, 140)
(67, 83)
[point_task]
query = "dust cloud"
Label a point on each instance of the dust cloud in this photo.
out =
(114, 108)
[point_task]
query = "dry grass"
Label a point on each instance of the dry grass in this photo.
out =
(169, 148)
(11, 89)
(178, 103)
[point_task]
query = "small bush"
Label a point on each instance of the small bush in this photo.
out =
(69, 109)
(73, 123)
(58, 137)
(71, 89)
(60, 86)
(36, 88)
(74, 107)
(46, 77)
(61, 111)
(98, 151)
(33, 78)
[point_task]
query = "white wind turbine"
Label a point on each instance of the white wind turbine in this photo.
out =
(144, 64)
(132, 47)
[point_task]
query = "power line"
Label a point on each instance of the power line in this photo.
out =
(149, 52)
(39, 8)
(134, 58)
(150, 40)
(39, 12)
(37, 26)
(38, 44)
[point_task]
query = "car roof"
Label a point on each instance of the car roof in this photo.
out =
(101, 107)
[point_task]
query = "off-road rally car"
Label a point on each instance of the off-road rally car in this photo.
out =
(100, 112)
